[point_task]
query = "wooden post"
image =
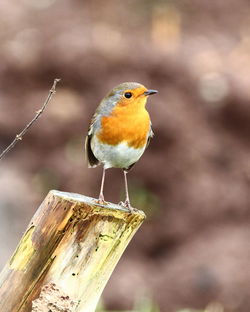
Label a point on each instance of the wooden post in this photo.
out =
(66, 255)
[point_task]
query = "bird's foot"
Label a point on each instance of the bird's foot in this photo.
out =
(101, 200)
(127, 205)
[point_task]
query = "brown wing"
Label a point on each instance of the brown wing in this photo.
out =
(91, 159)
(104, 109)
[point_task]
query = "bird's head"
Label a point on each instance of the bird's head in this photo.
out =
(129, 94)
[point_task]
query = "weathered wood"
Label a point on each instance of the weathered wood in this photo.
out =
(69, 249)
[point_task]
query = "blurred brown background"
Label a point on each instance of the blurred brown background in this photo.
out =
(193, 181)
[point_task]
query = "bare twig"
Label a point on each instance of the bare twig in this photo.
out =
(19, 136)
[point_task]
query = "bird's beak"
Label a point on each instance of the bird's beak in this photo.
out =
(149, 92)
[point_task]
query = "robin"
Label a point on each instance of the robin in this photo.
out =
(120, 131)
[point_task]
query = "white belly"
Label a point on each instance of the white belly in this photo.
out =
(115, 156)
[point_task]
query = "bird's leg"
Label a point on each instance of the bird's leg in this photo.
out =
(101, 196)
(127, 201)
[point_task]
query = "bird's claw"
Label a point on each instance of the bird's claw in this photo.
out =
(101, 200)
(127, 205)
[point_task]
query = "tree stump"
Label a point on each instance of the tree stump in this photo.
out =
(66, 255)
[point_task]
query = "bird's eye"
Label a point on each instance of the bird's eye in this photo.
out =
(128, 95)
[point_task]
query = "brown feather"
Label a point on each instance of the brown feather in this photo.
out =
(92, 160)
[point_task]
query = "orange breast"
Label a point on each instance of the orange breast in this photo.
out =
(125, 124)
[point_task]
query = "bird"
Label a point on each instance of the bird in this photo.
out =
(119, 132)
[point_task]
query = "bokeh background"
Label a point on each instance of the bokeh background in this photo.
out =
(193, 181)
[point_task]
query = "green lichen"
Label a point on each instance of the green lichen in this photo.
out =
(105, 237)
(24, 252)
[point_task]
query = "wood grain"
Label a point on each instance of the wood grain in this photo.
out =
(73, 243)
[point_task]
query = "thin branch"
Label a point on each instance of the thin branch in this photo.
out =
(19, 136)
